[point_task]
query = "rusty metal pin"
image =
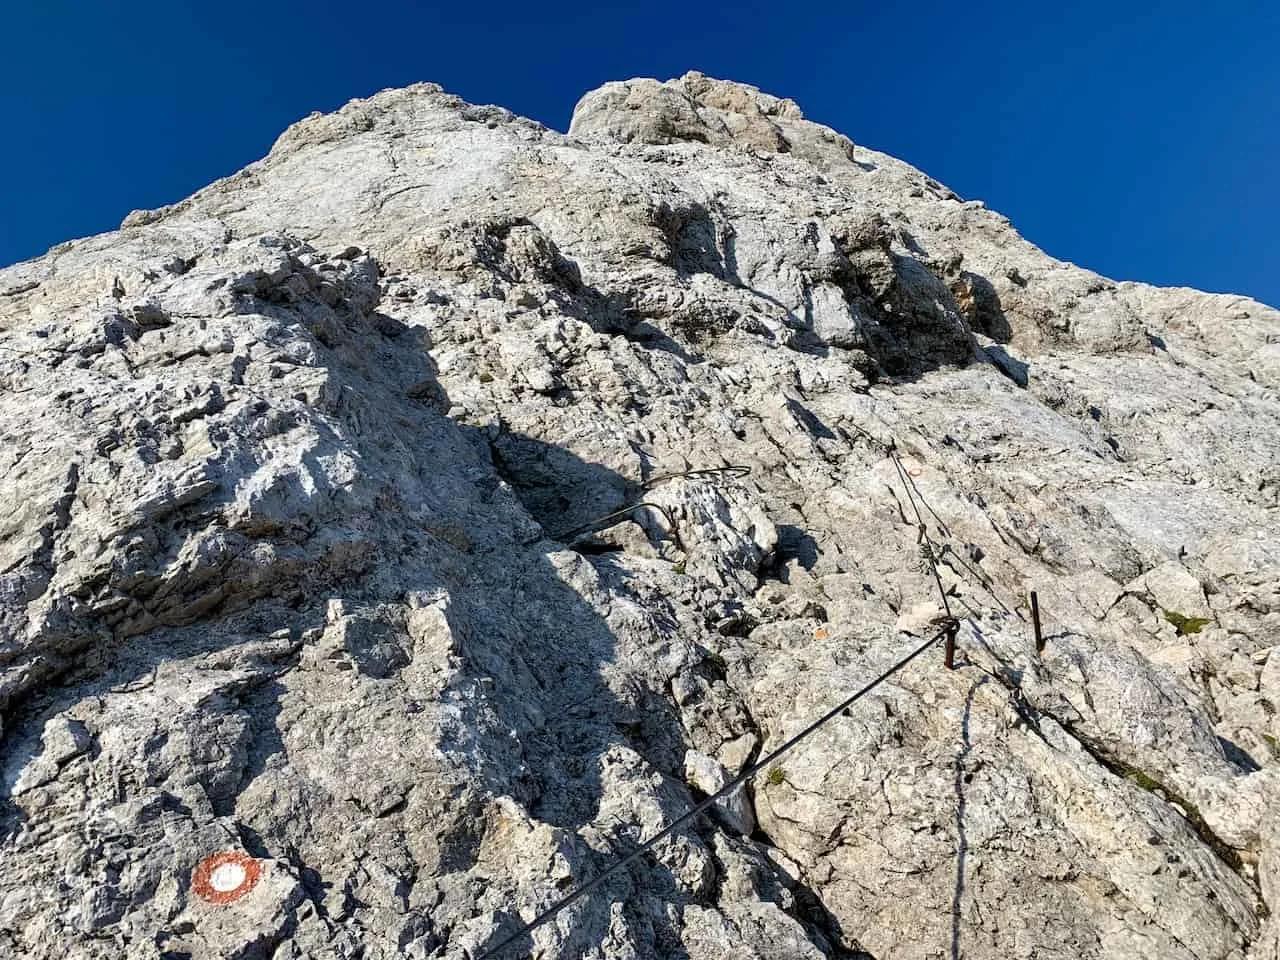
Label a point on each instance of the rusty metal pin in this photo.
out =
(949, 651)
(1035, 622)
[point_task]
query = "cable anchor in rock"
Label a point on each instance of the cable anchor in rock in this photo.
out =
(1035, 622)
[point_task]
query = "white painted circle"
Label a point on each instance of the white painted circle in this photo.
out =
(227, 877)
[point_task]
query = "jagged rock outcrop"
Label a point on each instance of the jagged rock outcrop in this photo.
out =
(298, 559)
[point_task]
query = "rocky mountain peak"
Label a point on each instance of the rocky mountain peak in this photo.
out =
(395, 534)
(694, 107)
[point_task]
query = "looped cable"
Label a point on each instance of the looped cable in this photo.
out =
(736, 470)
(666, 514)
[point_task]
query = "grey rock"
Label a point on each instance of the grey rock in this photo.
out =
(710, 777)
(377, 527)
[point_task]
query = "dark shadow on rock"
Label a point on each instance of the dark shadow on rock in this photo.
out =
(262, 701)
(1016, 370)
(821, 926)
(694, 238)
(809, 420)
(912, 244)
(980, 303)
(496, 946)
(919, 329)
(560, 491)
(565, 494)
(915, 301)
(1239, 756)
(795, 543)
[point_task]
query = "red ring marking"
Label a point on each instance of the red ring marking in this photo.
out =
(202, 879)
(914, 472)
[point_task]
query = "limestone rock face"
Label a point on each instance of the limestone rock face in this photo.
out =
(442, 505)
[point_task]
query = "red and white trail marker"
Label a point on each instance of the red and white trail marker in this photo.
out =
(225, 877)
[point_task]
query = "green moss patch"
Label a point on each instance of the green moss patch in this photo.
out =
(1185, 625)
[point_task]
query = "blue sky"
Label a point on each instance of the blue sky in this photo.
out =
(1143, 145)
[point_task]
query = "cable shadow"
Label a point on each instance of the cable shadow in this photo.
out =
(962, 839)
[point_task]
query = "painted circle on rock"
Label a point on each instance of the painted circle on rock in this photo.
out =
(225, 877)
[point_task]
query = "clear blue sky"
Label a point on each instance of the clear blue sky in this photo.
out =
(1144, 145)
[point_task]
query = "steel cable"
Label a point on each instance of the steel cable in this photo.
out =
(700, 808)
(732, 470)
(930, 552)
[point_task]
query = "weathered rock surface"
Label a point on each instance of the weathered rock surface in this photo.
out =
(297, 482)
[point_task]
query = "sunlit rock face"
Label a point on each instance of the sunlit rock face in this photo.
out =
(313, 642)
